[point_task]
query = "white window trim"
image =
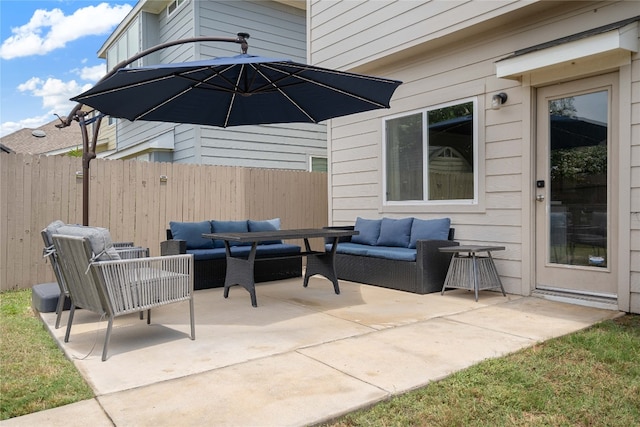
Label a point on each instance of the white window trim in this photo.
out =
(177, 3)
(314, 156)
(425, 153)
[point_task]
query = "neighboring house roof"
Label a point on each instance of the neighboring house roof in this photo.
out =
(46, 139)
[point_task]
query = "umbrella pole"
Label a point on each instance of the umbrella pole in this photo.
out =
(88, 154)
(89, 148)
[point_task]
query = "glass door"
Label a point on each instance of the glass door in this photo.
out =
(573, 187)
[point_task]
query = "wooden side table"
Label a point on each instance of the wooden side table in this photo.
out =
(471, 271)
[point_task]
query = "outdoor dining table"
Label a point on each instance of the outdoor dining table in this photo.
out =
(240, 270)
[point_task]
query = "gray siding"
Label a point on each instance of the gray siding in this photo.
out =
(276, 30)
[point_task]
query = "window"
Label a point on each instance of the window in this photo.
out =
(173, 6)
(318, 164)
(431, 155)
(126, 46)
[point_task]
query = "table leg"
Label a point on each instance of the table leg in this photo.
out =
(323, 264)
(497, 276)
(475, 274)
(240, 271)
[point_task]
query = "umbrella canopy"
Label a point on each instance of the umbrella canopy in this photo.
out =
(239, 90)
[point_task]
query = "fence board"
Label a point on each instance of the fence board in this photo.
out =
(128, 198)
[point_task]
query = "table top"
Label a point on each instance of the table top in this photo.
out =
(300, 233)
(471, 248)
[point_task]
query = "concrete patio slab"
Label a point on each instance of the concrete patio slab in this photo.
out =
(303, 356)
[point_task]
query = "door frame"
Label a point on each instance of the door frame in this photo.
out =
(618, 160)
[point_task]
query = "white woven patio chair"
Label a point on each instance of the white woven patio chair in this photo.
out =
(118, 287)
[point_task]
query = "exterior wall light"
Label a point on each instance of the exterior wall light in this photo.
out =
(163, 178)
(497, 100)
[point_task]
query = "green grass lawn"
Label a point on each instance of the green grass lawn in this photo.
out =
(589, 378)
(34, 373)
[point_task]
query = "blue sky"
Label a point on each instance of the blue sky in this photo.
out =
(48, 53)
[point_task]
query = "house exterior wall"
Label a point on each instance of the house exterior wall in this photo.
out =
(446, 51)
(277, 30)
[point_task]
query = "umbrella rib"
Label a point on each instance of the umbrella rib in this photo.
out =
(177, 95)
(284, 94)
(308, 80)
(233, 97)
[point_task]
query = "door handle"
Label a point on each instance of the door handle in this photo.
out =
(540, 197)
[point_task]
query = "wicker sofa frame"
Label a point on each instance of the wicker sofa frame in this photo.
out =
(424, 275)
(211, 273)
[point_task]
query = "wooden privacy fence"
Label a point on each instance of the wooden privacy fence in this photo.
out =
(136, 200)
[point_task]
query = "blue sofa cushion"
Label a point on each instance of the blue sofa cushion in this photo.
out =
(429, 229)
(395, 232)
(213, 253)
(243, 251)
(263, 250)
(349, 248)
(229, 227)
(192, 233)
(389, 252)
(369, 231)
(267, 225)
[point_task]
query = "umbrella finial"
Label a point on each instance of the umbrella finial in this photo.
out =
(242, 38)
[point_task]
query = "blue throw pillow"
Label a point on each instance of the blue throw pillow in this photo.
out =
(429, 229)
(369, 231)
(395, 232)
(267, 225)
(230, 227)
(192, 233)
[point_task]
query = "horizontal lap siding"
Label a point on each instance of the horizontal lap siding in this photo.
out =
(635, 184)
(369, 30)
(128, 198)
(446, 69)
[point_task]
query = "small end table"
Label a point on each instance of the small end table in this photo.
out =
(472, 271)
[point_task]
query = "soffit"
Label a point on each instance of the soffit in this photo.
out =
(603, 47)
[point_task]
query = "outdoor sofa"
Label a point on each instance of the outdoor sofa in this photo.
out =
(399, 254)
(209, 255)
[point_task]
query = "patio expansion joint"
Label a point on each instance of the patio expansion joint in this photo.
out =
(460, 322)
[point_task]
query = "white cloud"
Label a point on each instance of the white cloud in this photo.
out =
(92, 74)
(50, 30)
(30, 123)
(55, 93)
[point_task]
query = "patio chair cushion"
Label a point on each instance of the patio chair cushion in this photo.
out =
(99, 239)
(52, 229)
(229, 227)
(395, 232)
(429, 229)
(267, 225)
(192, 232)
(369, 231)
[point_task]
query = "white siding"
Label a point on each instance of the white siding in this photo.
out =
(445, 60)
(369, 30)
(635, 185)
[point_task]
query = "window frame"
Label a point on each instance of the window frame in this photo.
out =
(473, 202)
(315, 156)
(176, 6)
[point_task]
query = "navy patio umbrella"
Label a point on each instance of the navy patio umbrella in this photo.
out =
(238, 90)
(232, 91)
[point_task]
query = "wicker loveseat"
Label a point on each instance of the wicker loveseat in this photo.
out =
(210, 264)
(399, 254)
